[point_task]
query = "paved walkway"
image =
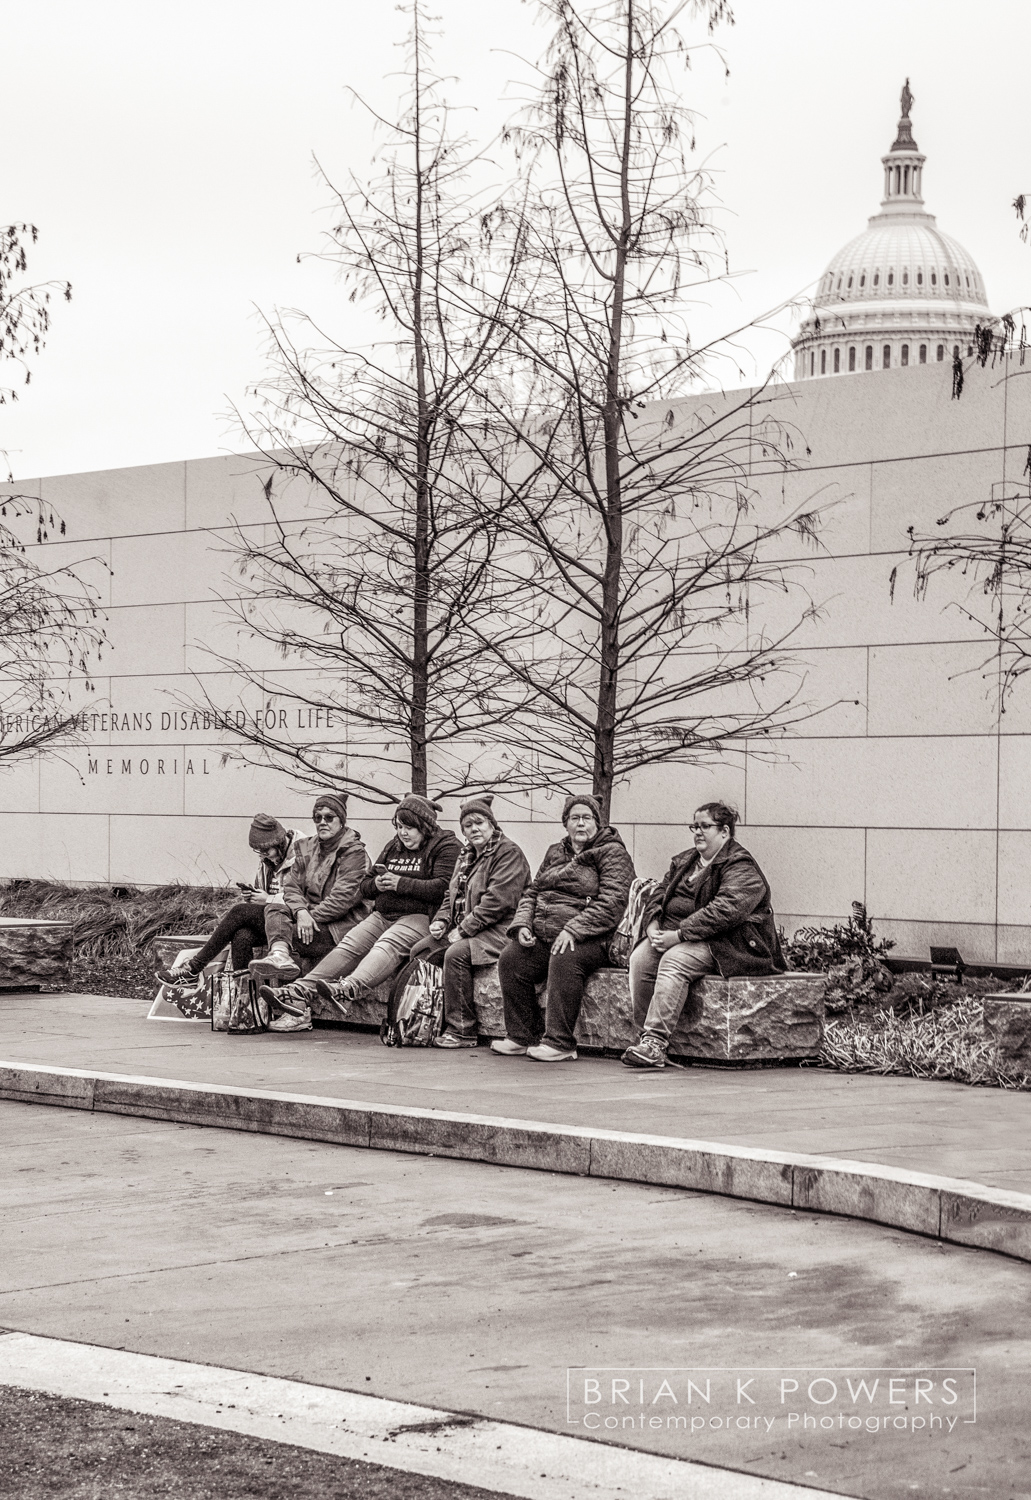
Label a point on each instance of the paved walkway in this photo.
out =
(946, 1129)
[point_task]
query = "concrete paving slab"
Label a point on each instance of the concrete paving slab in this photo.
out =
(464, 1289)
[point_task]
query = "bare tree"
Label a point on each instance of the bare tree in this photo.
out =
(635, 519)
(378, 595)
(49, 622)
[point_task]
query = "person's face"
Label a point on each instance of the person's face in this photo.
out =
(327, 824)
(275, 852)
(477, 830)
(709, 837)
(409, 836)
(581, 824)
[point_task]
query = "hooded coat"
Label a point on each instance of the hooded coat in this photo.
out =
(495, 881)
(585, 893)
(732, 911)
(328, 883)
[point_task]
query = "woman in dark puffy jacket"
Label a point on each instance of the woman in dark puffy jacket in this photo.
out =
(560, 933)
(711, 915)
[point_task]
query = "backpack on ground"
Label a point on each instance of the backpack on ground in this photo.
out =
(628, 934)
(415, 1010)
(235, 1002)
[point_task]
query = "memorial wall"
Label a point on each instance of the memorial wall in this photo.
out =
(908, 791)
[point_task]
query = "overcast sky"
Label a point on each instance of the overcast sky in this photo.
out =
(165, 152)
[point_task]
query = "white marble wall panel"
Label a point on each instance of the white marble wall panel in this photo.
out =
(976, 941)
(1015, 781)
(879, 783)
(198, 851)
(225, 488)
(671, 794)
(177, 566)
(146, 634)
(88, 561)
(1014, 907)
(122, 778)
(840, 493)
(931, 875)
(918, 492)
(931, 689)
(120, 502)
(820, 871)
(54, 846)
(19, 786)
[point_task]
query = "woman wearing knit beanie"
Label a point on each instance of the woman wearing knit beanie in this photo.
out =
(560, 933)
(321, 900)
(405, 886)
(469, 929)
(243, 926)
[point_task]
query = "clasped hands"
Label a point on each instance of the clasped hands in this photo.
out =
(564, 942)
(662, 941)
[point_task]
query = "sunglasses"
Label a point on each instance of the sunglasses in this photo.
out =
(325, 818)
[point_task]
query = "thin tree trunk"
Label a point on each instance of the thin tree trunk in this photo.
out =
(421, 580)
(608, 676)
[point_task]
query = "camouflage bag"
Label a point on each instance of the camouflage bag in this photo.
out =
(416, 1017)
(236, 1005)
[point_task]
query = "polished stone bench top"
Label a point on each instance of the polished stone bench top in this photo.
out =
(34, 922)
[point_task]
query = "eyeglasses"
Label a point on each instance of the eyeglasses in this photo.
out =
(701, 827)
(324, 818)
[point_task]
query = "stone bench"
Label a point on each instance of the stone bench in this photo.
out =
(1007, 1023)
(724, 1020)
(34, 952)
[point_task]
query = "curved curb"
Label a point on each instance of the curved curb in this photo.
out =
(945, 1208)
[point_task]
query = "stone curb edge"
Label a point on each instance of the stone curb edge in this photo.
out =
(949, 1209)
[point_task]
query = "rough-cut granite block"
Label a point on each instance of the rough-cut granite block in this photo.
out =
(725, 1020)
(34, 952)
(1007, 1023)
(752, 1020)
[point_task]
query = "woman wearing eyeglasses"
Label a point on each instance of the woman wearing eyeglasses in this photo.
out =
(405, 886)
(320, 900)
(711, 914)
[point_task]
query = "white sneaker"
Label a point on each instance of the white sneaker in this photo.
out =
(287, 1022)
(545, 1052)
(274, 966)
(508, 1048)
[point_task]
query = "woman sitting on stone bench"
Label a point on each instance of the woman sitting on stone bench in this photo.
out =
(560, 933)
(406, 885)
(710, 915)
(320, 902)
(243, 926)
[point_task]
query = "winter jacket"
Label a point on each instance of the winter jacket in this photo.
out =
(333, 898)
(732, 911)
(496, 880)
(270, 877)
(423, 874)
(585, 893)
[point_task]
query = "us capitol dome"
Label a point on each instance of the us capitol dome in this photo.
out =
(900, 293)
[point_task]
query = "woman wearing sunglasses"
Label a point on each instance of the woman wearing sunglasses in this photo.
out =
(405, 886)
(711, 914)
(320, 900)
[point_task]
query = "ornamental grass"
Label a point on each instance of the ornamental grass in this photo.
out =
(947, 1041)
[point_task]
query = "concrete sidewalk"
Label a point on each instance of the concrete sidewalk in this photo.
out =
(879, 1131)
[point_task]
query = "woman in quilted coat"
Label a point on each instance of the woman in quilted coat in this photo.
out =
(560, 933)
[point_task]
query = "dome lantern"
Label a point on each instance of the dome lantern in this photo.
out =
(900, 293)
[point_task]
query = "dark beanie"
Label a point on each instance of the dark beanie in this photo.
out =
(481, 805)
(265, 829)
(336, 802)
(586, 800)
(417, 810)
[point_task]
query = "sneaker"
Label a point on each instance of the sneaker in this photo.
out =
(449, 1039)
(337, 993)
(508, 1048)
(274, 966)
(650, 1052)
(292, 1023)
(283, 1000)
(545, 1052)
(176, 976)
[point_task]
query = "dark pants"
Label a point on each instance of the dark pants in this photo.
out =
(456, 961)
(279, 928)
(521, 969)
(243, 928)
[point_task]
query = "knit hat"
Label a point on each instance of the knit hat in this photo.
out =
(419, 811)
(480, 805)
(265, 830)
(586, 800)
(335, 802)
